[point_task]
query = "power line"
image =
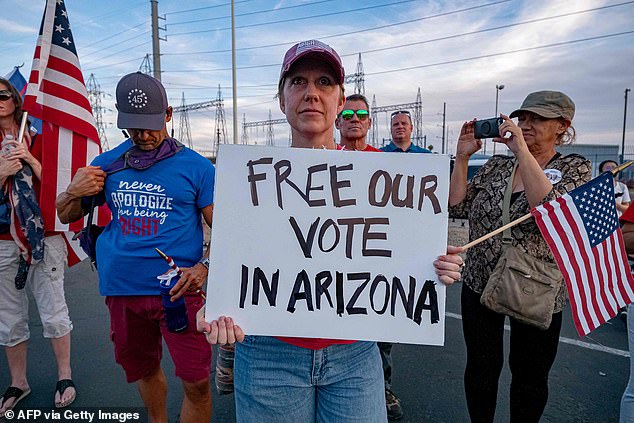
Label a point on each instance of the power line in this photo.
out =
(313, 3)
(109, 37)
(448, 37)
(484, 56)
(118, 44)
(127, 49)
(206, 7)
(341, 34)
(443, 38)
(113, 64)
(480, 31)
(96, 19)
(320, 16)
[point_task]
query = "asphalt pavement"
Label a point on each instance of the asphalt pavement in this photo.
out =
(586, 381)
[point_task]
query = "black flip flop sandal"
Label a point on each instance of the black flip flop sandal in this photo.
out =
(17, 394)
(61, 387)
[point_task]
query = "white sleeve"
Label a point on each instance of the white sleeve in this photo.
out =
(626, 194)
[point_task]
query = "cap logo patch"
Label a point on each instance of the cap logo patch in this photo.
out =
(137, 98)
(310, 44)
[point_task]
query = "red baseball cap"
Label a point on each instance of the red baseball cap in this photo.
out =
(317, 49)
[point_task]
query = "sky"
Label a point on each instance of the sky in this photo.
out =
(456, 52)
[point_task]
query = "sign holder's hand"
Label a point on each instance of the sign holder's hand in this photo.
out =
(221, 331)
(449, 266)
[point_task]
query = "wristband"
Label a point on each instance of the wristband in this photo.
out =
(205, 262)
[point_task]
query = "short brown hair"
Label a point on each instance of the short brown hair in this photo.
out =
(359, 97)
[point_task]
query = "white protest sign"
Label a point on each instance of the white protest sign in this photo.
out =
(329, 244)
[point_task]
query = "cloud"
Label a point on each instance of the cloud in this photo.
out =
(9, 26)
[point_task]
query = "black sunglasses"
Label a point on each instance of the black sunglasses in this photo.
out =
(400, 112)
(5, 95)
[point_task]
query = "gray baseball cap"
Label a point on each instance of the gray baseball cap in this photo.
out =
(141, 102)
(548, 104)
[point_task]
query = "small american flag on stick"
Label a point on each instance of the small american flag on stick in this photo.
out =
(582, 230)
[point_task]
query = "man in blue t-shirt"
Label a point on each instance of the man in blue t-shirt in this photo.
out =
(157, 190)
(401, 127)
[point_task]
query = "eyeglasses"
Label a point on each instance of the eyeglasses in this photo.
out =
(5, 95)
(361, 114)
(400, 112)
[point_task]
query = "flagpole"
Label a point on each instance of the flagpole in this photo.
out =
(525, 217)
(22, 126)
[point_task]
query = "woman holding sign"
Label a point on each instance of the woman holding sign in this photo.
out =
(299, 379)
(534, 174)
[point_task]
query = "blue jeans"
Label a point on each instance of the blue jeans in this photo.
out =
(278, 382)
(627, 402)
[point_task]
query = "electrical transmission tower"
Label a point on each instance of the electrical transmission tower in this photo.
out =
(417, 118)
(268, 124)
(94, 97)
(197, 106)
(221, 125)
(245, 138)
(269, 131)
(146, 65)
(358, 78)
(184, 130)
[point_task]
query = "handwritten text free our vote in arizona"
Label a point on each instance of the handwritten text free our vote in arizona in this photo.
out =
(328, 234)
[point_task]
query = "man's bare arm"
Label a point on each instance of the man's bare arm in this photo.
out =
(87, 181)
(68, 208)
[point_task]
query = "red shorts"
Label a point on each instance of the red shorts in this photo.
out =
(137, 327)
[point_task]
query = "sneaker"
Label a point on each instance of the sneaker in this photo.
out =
(393, 404)
(623, 315)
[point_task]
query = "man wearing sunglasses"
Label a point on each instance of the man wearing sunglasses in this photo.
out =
(353, 123)
(401, 127)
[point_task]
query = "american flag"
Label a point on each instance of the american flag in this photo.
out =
(582, 230)
(56, 94)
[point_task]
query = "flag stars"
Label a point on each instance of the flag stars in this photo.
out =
(59, 28)
(66, 40)
(59, 1)
(64, 14)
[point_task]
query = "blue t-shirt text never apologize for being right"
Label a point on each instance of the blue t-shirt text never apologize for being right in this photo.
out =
(159, 207)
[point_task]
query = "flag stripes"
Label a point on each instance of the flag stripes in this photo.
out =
(56, 93)
(595, 268)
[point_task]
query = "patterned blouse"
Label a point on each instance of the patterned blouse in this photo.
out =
(483, 207)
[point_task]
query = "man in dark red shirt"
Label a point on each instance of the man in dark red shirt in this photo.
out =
(353, 123)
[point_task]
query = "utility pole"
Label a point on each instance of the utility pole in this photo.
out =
(444, 113)
(627, 90)
(233, 74)
(156, 48)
